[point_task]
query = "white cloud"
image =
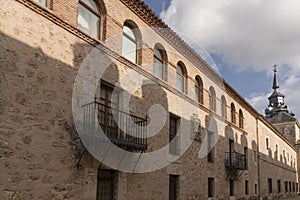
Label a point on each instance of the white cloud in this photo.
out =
(252, 34)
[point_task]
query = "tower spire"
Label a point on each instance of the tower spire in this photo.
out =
(275, 81)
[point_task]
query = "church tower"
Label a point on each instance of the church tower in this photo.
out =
(278, 114)
(277, 111)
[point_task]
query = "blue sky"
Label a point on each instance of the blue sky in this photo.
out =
(245, 39)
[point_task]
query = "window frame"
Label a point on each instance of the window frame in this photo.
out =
(112, 181)
(223, 107)
(173, 137)
(198, 89)
(241, 119)
(212, 99)
(181, 65)
(163, 61)
(233, 113)
(210, 187)
(99, 13)
(174, 187)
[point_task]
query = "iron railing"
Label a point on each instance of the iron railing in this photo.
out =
(234, 160)
(123, 129)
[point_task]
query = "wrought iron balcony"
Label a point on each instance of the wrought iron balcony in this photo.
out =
(237, 161)
(123, 129)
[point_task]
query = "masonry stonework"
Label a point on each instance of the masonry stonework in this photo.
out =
(41, 53)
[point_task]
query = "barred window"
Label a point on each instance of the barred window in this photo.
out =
(174, 187)
(106, 184)
(211, 187)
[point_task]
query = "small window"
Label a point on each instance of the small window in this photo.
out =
(105, 184)
(198, 89)
(181, 77)
(212, 99)
(270, 185)
(173, 138)
(286, 186)
(231, 187)
(210, 147)
(223, 107)
(246, 157)
(233, 119)
(255, 189)
(241, 119)
(278, 186)
(267, 144)
(211, 187)
(42, 2)
(89, 17)
(129, 48)
(160, 60)
(246, 187)
(174, 187)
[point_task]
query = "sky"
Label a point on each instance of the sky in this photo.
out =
(245, 39)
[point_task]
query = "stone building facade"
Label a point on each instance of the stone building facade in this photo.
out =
(219, 146)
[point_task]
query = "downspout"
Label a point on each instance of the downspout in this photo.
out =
(258, 159)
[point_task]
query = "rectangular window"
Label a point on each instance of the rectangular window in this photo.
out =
(278, 186)
(211, 187)
(231, 187)
(286, 186)
(174, 187)
(173, 139)
(270, 185)
(290, 186)
(246, 157)
(210, 147)
(267, 143)
(255, 189)
(106, 184)
(246, 187)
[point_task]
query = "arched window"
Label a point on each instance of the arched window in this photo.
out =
(89, 17)
(241, 119)
(212, 99)
(233, 119)
(199, 89)
(223, 107)
(160, 61)
(42, 2)
(129, 48)
(181, 77)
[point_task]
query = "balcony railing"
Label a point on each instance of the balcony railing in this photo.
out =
(234, 160)
(123, 129)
